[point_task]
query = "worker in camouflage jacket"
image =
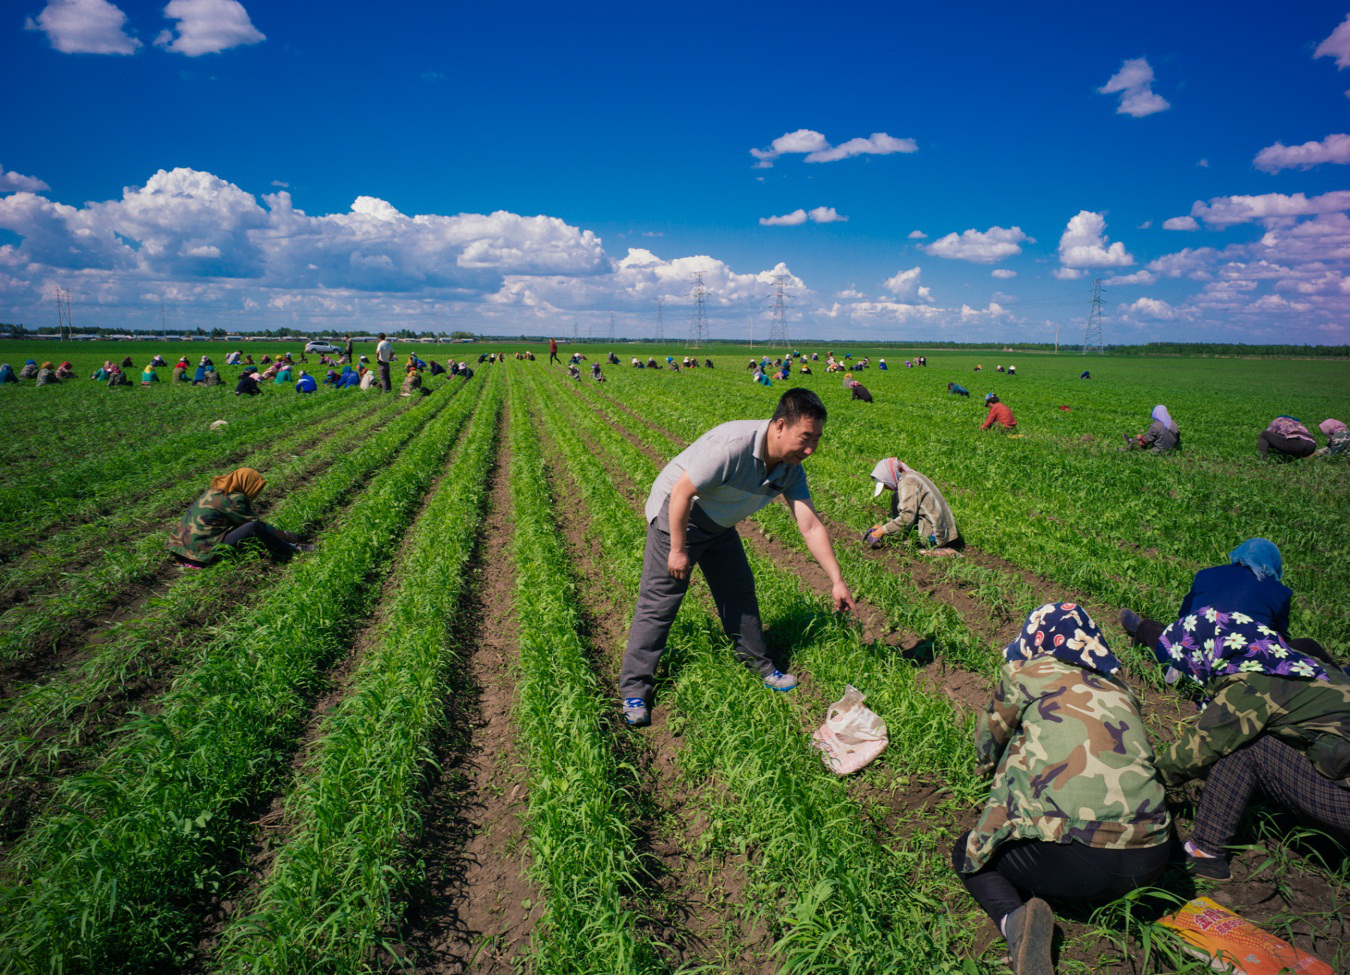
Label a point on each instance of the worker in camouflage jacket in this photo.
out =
(223, 516)
(1276, 720)
(1076, 810)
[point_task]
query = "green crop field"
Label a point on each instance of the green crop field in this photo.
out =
(403, 751)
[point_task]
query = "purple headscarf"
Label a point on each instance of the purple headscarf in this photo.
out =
(1162, 416)
(1330, 426)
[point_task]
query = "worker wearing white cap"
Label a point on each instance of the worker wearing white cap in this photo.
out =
(915, 503)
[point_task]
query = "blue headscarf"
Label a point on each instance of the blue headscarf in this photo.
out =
(1259, 555)
(1066, 631)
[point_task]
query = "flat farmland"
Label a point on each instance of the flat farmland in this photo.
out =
(403, 751)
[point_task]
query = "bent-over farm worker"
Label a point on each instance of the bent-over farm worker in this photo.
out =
(916, 503)
(1076, 810)
(728, 474)
(223, 516)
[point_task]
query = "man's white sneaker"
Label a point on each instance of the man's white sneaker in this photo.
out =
(779, 681)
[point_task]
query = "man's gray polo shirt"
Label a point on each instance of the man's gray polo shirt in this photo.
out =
(730, 477)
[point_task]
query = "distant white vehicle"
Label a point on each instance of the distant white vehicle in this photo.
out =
(323, 348)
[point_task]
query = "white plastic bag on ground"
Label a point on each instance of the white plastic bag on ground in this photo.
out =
(852, 735)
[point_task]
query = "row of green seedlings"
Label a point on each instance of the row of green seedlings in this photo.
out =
(138, 467)
(1117, 549)
(47, 725)
(339, 882)
(95, 418)
(584, 855)
(907, 607)
(76, 541)
(910, 726)
(121, 555)
(839, 897)
(117, 876)
(835, 480)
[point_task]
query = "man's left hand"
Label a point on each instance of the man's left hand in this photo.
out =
(843, 599)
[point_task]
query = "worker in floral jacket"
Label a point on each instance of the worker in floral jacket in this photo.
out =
(1076, 810)
(223, 516)
(1277, 716)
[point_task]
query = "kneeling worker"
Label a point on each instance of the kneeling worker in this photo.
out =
(728, 474)
(915, 503)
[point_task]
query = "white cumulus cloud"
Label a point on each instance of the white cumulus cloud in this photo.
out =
(84, 27)
(1149, 308)
(207, 27)
(12, 181)
(903, 283)
(1003, 273)
(1134, 83)
(1180, 223)
(826, 215)
(1083, 244)
(1138, 277)
(1224, 211)
(1337, 45)
(817, 149)
(1332, 149)
(799, 216)
(917, 235)
(793, 219)
(980, 247)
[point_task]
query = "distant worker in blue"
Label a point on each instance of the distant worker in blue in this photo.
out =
(881, 364)
(306, 383)
(956, 390)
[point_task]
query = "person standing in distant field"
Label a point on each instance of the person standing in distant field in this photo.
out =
(384, 355)
(728, 474)
(347, 347)
(1287, 436)
(998, 413)
(553, 352)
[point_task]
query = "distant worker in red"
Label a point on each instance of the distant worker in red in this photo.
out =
(998, 413)
(553, 352)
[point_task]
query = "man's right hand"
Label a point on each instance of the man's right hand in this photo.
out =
(679, 565)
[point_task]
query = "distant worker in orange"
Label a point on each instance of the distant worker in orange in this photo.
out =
(998, 413)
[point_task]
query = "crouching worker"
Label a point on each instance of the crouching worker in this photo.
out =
(223, 516)
(727, 474)
(915, 503)
(1277, 721)
(1076, 811)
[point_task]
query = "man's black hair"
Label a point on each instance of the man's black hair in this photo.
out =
(382, 336)
(799, 404)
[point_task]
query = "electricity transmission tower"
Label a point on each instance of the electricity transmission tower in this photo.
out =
(1092, 338)
(698, 324)
(778, 332)
(611, 326)
(576, 331)
(63, 325)
(661, 319)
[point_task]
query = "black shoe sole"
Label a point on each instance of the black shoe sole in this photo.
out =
(1032, 956)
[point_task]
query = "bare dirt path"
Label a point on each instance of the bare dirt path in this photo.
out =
(476, 910)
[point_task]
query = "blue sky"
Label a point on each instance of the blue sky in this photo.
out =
(531, 168)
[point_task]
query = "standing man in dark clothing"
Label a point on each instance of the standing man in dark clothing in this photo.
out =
(384, 355)
(727, 474)
(553, 352)
(348, 348)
